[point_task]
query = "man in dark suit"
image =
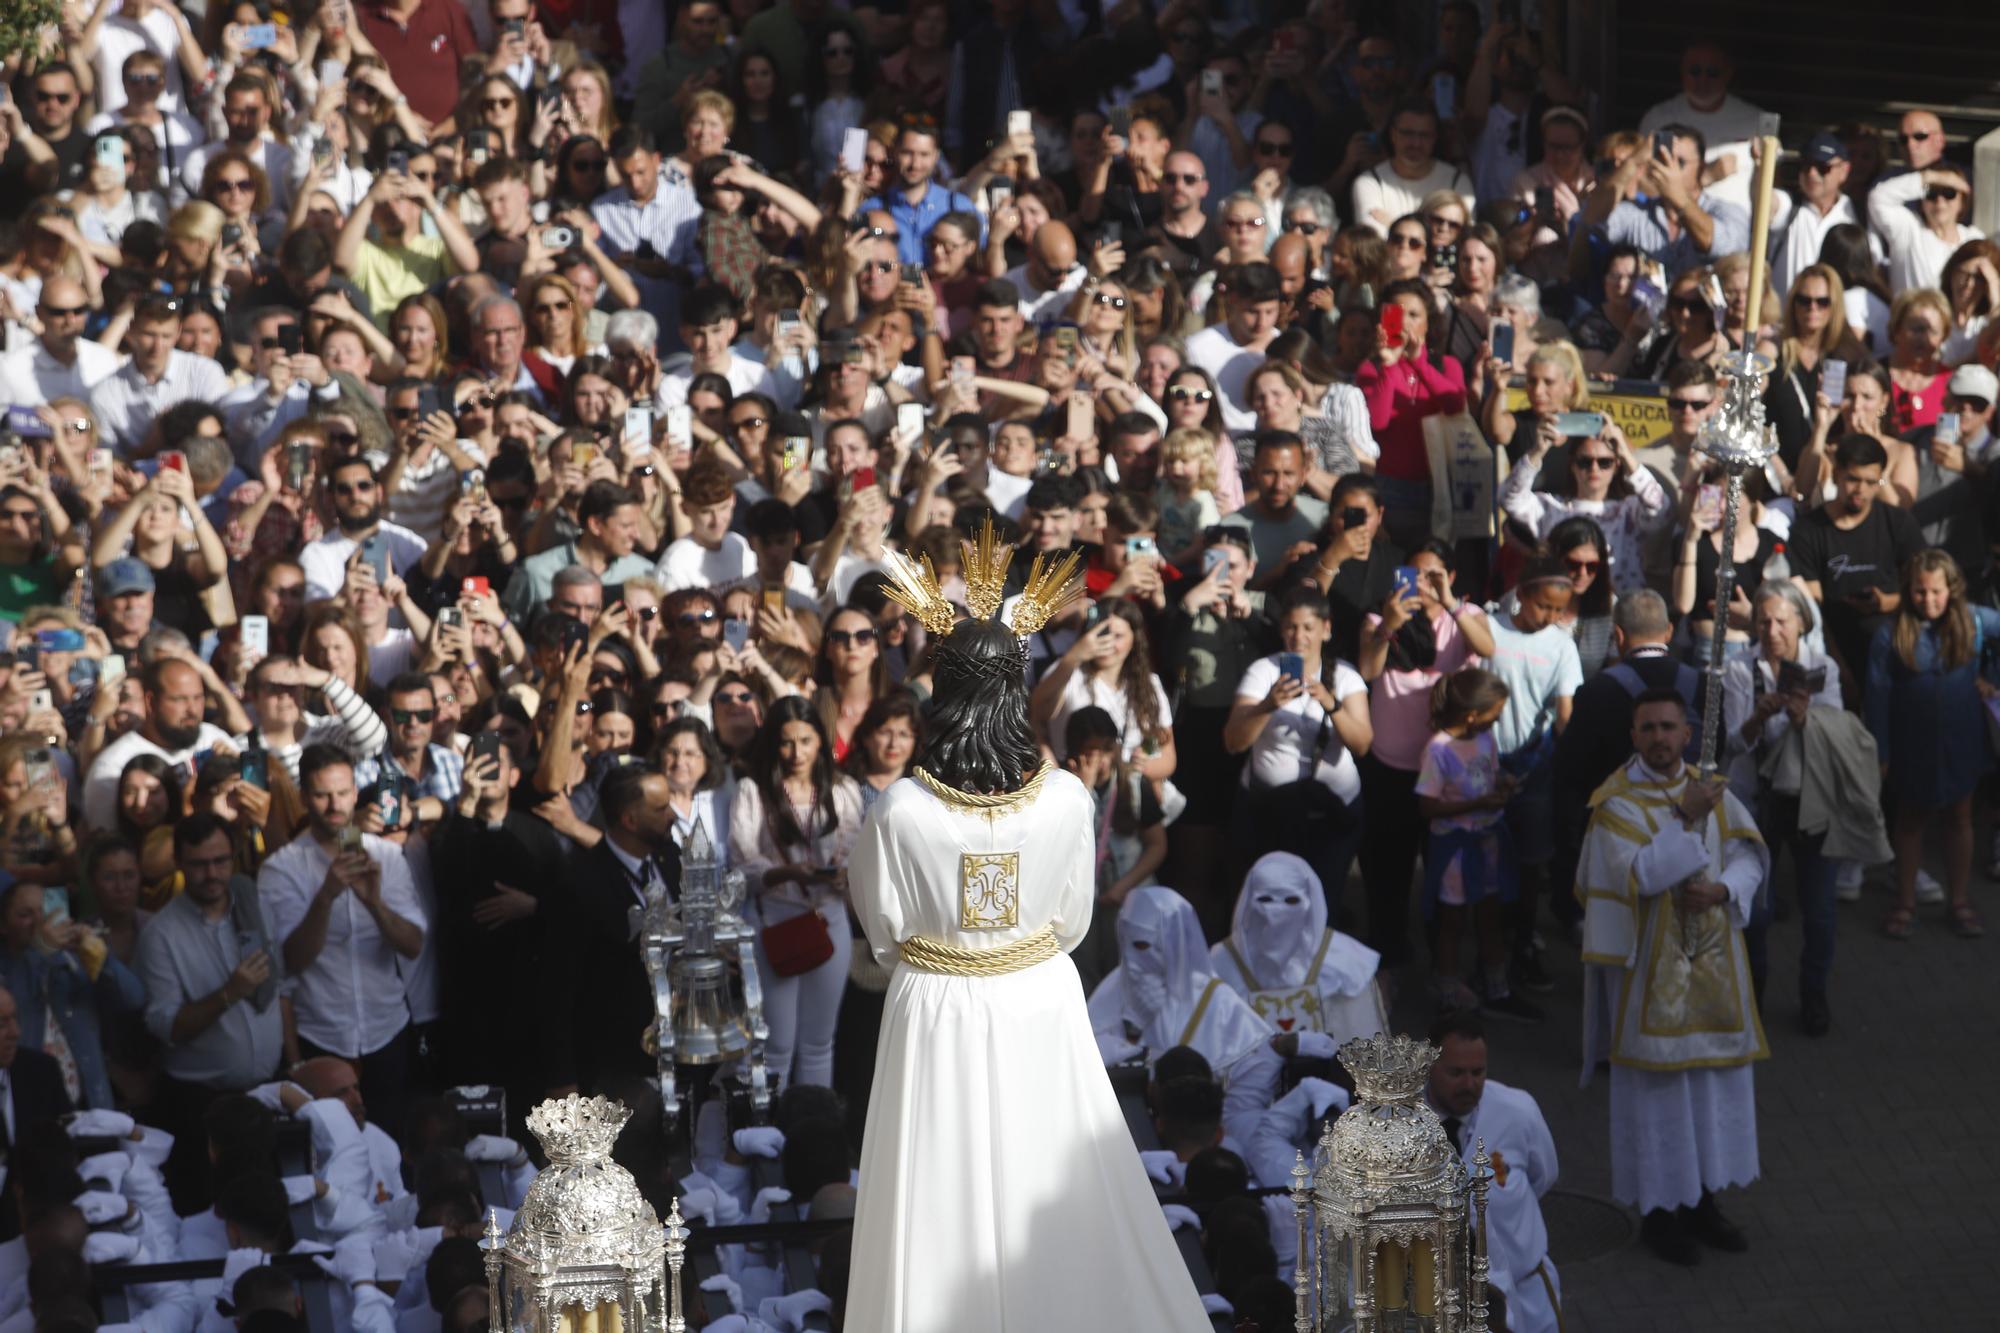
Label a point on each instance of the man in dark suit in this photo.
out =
(1598, 738)
(31, 1091)
(610, 997)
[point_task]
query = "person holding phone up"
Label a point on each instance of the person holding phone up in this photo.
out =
(1626, 500)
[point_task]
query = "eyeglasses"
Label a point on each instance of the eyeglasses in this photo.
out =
(403, 717)
(881, 265)
(1816, 302)
(495, 103)
(1688, 404)
(1446, 224)
(695, 617)
(1594, 462)
(353, 487)
(1270, 148)
(1303, 226)
(1408, 242)
(751, 423)
(551, 307)
(845, 638)
(1106, 298)
(648, 613)
(735, 700)
(670, 708)
(1249, 224)
(1182, 392)
(235, 185)
(1946, 192)
(1582, 566)
(402, 414)
(1180, 178)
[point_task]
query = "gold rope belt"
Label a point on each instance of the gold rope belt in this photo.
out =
(931, 956)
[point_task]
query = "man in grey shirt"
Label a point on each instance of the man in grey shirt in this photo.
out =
(211, 994)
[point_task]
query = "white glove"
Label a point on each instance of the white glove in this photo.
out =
(237, 1264)
(698, 1205)
(395, 1256)
(788, 1313)
(1214, 1304)
(101, 1124)
(154, 1146)
(109, 1247)
(1164, 1167)
(760, 1207)
(760, 1141)
(727, 1210)
(301, 1189)
(728, 1286)
(270, 1094)
(109, 1167)
(1323, 1094)
(101, 1206)
(1116, 1050)
(1180, 1215)
(353, 1259)
(1317, 1045)
(492, 1148)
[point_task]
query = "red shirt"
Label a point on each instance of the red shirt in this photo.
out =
(423, 54)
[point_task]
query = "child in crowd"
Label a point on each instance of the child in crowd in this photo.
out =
(1186, 493)
(1462, 791)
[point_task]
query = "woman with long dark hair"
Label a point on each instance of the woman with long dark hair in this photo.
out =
(973, 880)
(852, 675)
(887, 741)
(1865, 296)
(790, 831)
(1581, 546)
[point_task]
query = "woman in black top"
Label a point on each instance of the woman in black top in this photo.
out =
(151, 522)
(1814, 331)
(1700, 555)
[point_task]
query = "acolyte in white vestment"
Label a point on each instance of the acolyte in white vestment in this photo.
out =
(1000, 1192)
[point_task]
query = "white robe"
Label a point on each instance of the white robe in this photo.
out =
(1510, 1125)
(1683, 1104)
(1295, 972)
(999, 1189)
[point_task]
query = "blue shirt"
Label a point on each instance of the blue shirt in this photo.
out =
(1645, 226)
(915, 220)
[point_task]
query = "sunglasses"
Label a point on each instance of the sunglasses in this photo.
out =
(1106, 298)
(1594, 462)
(403, 717)
(1815, 302)
(844, 638)
(648, 613)
(1408, 242)
(751, 423)
(1919, 136)
(64, 311)
(353, 487)
(1942, 192)
(1583, 566)
(743, 700)
(1247, 223)
(882, 265)
(236, 185)
(495, 103)
(60, 99)
(402, 414)
(1180, 178)
(694, 618)
(1691, 304)
(607, 673)
(586, 164)
(1688, 404)
(1303, 227)
(672, 708)
(1271, 149)
(345, 439)
(1182, 392)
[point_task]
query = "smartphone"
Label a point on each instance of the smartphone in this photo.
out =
(428, 402)
(100, 461)
(1503, 341)
(173, 460)
(1019, 123)
(798, 452)
(1708, 500)
(1545, 204)
(789, 323)
(1142, 548)
(772, 597)
(1408, 581)
(291, 339)
(963, 368)
(514, 28)
(476, 586)
(472, 483)
(1119, 121)
(1663, 145)
(1211, 83)
(111, 151)
(1391, 320)
(1833, 380)
(260, 36)
(863, 478)
(1112, 232)
(42, 701)
(232, 235)
(331, 71)
(999, 192)
(452, 616)
(397, 162)
(55, 906)
(322, 151)
(1584, 424)
(1946, 430)
(254, 768)
(1293, 665)
(583, 455)
(486, 745)
(375, 555)
(62, 640)
(1214, 558)
(1444, 94)
(298, 462)
(558, 238)
(1353, 516)
(110, 670)
(910, 420)
(1082, 417)
(914, 275)
(854, 150)
(736, 633)
(254, 636)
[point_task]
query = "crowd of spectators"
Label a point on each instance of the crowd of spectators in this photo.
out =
(452, 446)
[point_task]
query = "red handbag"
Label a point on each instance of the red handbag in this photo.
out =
(797, 945)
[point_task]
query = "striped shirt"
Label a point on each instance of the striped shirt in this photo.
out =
(426, 491)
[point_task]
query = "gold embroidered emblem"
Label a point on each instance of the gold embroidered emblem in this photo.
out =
(1290, 1010)
(989, 890)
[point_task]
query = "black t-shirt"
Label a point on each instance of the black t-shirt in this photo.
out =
(1845, 562)
(1359, 588)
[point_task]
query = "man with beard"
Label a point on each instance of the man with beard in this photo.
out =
(608, 886)
(498, 872)
(345, 909)
(1281, 522)
(357, 509)
(173, 729)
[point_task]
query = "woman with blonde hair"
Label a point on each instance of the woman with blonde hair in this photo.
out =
(555, 322)
(1733, 272)
(1926, 705)
(422, 336)
(1102, 312)
(1919, 322)
(193, 257)
(1814, 329)
(1556, 384)
(705, 128)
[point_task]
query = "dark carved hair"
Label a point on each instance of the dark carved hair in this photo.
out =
(977, 736)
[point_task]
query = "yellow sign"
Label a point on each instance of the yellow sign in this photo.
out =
(1642, 416)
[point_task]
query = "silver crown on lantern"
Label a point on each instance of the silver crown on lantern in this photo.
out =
(1737, 436)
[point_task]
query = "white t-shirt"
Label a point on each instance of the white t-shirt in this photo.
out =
(1087, 691)
(1381, 188)
(689, 564)
(1284, 751)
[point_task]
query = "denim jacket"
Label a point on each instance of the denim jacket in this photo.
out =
(57, 986)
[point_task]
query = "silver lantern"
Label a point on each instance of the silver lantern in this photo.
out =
(586, 1252)
(1391, 1224)
(701, 957)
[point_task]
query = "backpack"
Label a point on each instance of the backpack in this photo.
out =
(1687, 684)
